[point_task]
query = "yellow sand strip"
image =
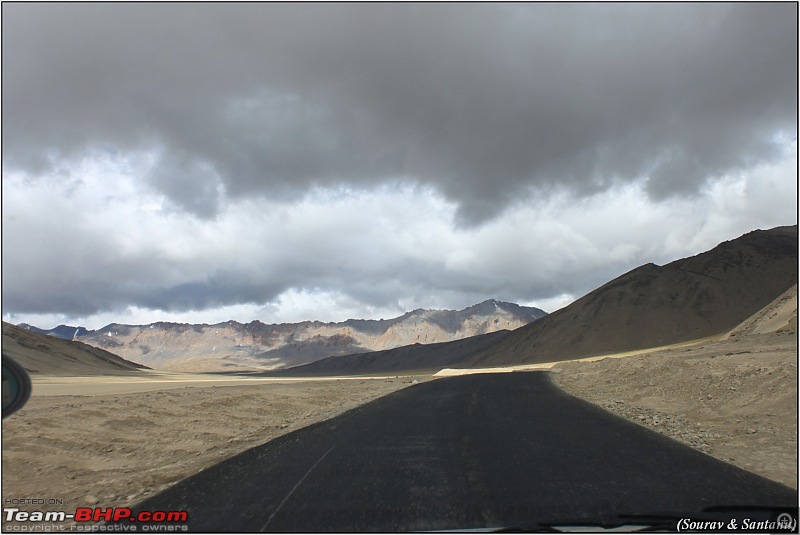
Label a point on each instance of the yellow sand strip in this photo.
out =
(547, 365)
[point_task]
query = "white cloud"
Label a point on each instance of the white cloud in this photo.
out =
(346, 253)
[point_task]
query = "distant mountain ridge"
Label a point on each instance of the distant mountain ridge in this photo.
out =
(232, 346)
(65, 332)
(701, 296)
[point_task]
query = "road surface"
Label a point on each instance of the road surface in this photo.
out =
(495, 450)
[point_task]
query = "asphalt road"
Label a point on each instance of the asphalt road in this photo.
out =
(496, 450)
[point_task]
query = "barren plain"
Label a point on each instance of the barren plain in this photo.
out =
(119, 446)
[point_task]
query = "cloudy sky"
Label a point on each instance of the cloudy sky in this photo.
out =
(282, 162)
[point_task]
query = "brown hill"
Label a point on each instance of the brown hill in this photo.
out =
(417, 357)
(778, 317)
(650, 306)
(48, 355)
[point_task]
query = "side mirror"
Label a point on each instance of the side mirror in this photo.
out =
(16, 386)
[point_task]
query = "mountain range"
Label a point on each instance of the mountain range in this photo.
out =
(650, 306)
(255, 346)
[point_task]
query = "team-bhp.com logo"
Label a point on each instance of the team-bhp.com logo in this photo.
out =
(119, 517)
(116, 514)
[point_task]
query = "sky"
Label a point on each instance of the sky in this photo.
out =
(200, 163)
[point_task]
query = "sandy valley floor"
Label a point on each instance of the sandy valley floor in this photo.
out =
(115, 449)
(735, 400)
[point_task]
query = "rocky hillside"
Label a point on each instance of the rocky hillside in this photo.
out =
(650, 306)
(705, 295)
(780, 316)
(48, 355)
(232, 346)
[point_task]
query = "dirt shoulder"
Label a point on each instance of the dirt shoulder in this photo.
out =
(735, 399)
(118, 449)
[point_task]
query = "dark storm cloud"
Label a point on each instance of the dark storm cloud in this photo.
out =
(102, 296)
(481, 101)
